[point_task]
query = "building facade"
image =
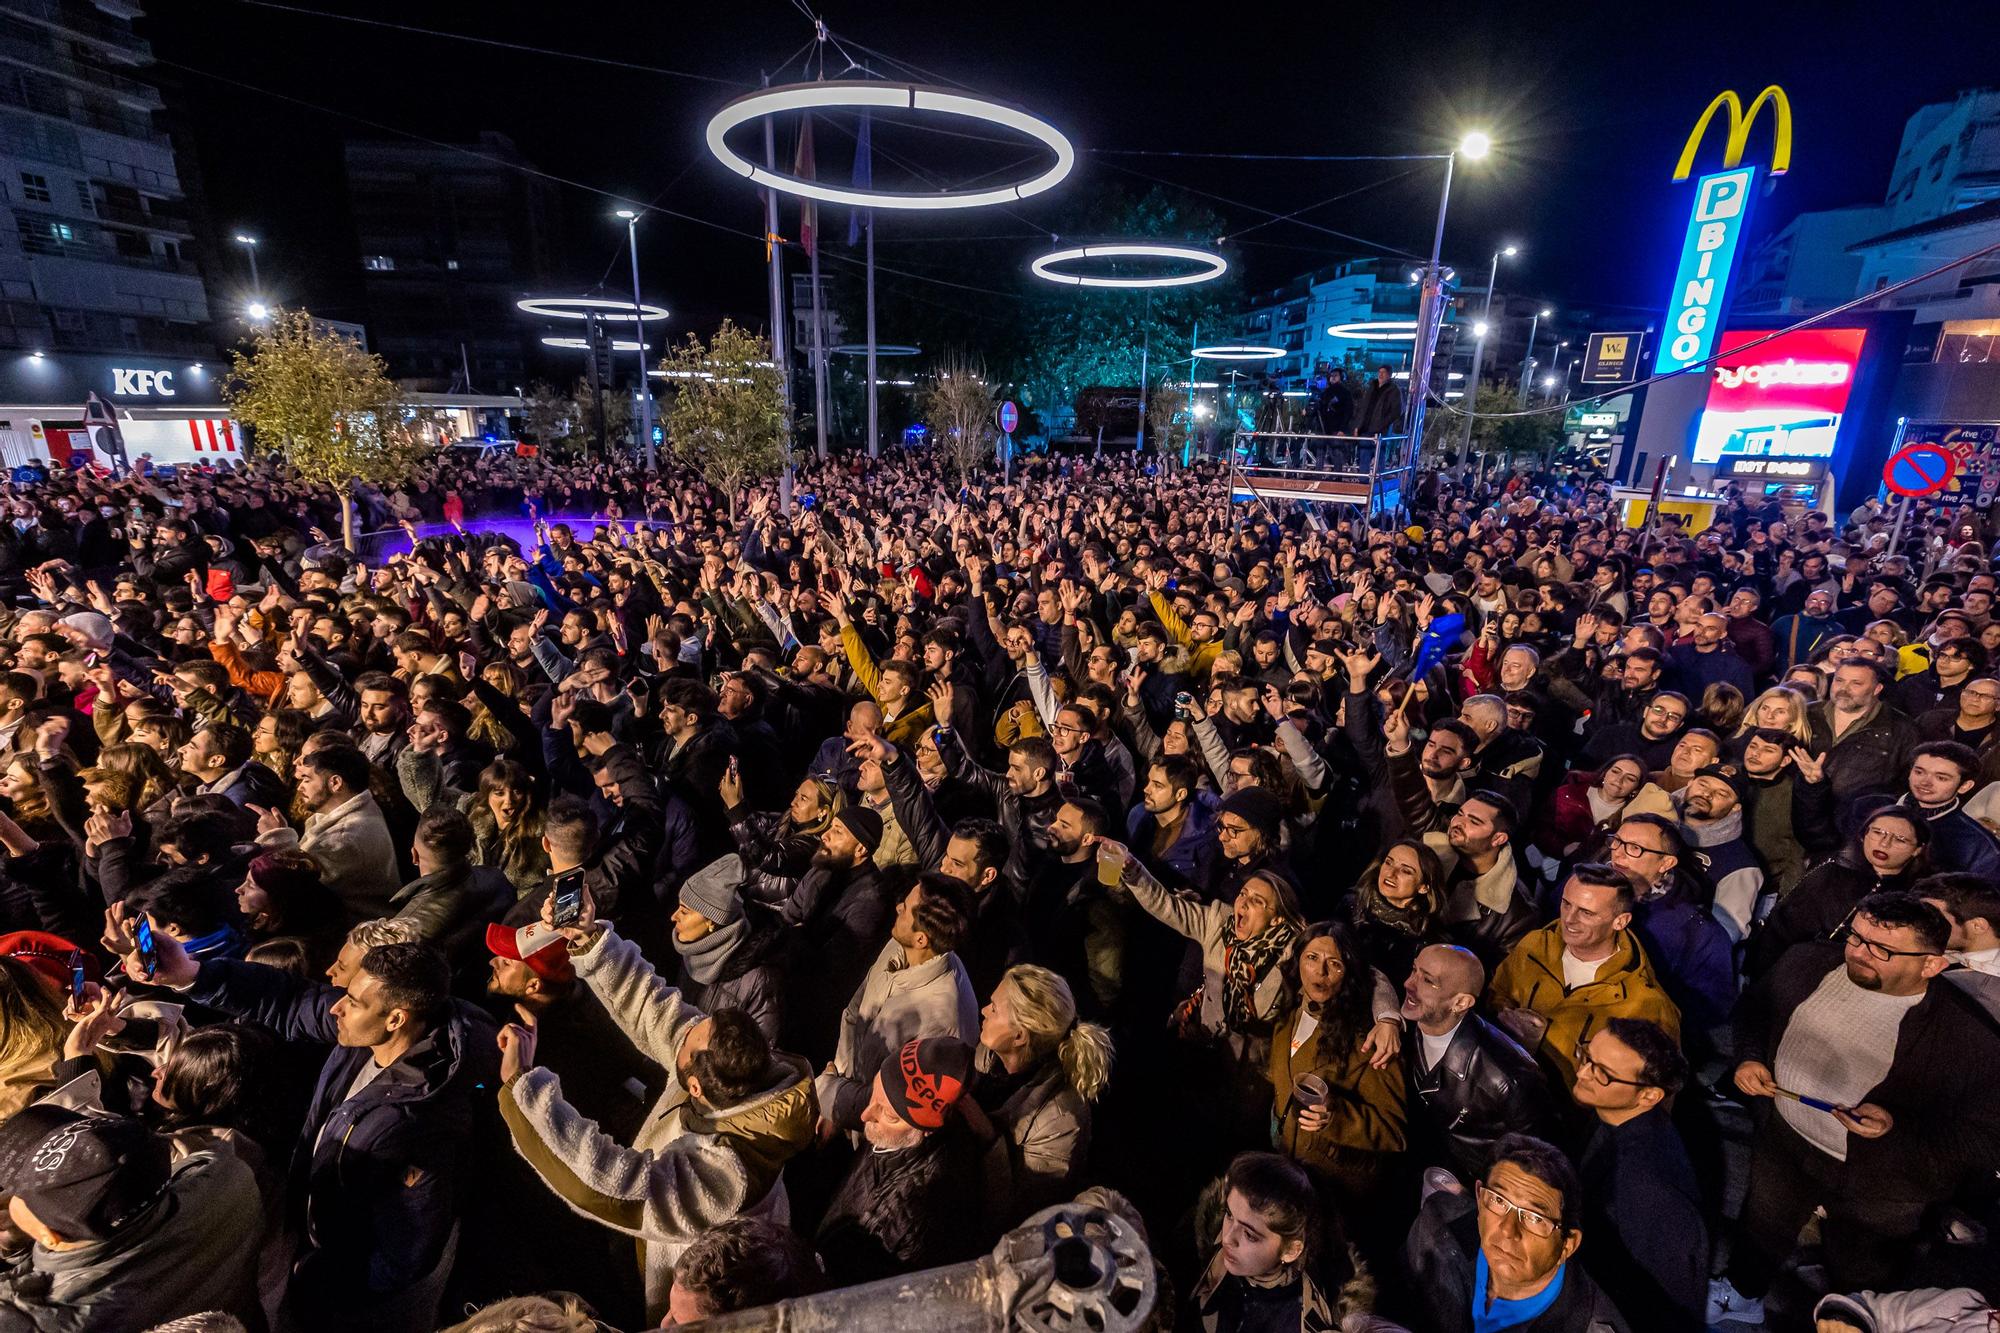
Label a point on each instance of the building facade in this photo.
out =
(447, 242)
(97, 250)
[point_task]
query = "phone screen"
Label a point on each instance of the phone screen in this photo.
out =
(76, 976)
(566, 898)
(149, 954)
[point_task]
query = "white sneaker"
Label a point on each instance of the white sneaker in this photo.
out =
(1728, 1305)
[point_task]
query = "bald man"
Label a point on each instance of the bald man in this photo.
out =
(1707, 659)
(1473, 1082)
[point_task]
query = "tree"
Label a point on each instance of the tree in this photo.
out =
(727, 417)
(958, 412)
(549, 413)
(582, 410)
(328, 406)
(1169, 421)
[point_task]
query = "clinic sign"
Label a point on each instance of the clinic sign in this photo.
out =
(1701, 283)
(1715, 227)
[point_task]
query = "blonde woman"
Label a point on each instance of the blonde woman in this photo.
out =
(1039, 1072)
(1780, 708)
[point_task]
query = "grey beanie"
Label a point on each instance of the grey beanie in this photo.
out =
(712, 890)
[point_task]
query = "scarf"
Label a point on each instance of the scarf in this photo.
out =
(1602, 808)
(1244, 962)
(1413, 919)
(705, 958)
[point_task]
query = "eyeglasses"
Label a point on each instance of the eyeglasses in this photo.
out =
(1598, 1074)
(1630, 848)
(1534, 1223)
(1881, 953)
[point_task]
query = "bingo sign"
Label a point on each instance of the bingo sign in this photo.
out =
(1917, 470)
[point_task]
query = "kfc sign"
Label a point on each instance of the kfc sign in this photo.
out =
(141, 383)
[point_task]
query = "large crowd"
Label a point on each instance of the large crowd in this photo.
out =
(1486, 917)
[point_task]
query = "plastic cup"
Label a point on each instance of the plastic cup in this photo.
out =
(1110, 864)
(1310, 1092)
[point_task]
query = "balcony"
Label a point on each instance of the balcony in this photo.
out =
(17, 89)
(41, 241)
(153, 220)
(76, 19)
(46, 59)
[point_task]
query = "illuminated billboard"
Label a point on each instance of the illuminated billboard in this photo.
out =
(1779, 399)
(1701, 282)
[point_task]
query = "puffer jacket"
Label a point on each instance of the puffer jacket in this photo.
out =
(451, 907)
(735, 967)
(691, 1165)
(1043, 1138)
(1626, 987)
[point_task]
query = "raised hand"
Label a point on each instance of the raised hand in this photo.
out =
(1811, 767)
(107, 826)
(942, 696)
(1396, 731)
(49, 737)
(269, 820)
(517, 1046)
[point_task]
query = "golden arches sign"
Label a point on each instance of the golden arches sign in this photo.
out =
(1740, 122)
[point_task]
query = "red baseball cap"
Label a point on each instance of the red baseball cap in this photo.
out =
(542, 948)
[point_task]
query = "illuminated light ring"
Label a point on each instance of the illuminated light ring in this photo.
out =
(583, 344)
(1044, 266)
(1239, 352)
(586, 307)
(881, 349)
(1376, 330)
(872, 95)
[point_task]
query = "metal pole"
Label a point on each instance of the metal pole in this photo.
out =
(1528, 361)
(256, 287)
(1145, 352)
(1902, 511)
(639, 337)
(818, 356)
(874, 436)
(1430, 315)
(777, 266)
(1478, 364)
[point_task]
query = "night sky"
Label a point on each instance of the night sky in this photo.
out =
(1589, 104)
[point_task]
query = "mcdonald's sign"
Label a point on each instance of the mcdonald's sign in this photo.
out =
(1738, 138)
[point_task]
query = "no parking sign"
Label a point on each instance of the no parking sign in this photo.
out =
(1918, 470)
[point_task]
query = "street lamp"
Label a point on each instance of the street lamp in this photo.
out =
(1475, 144)
(249, 244)
(258, 311)
(631, 217)
(1479, 331)
(1528, 361)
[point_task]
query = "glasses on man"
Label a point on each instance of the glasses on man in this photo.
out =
(1877, 950)
(1631, 848)
(1598, 1074)
(1532, 1222)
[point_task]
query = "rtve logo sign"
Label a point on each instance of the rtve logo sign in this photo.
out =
(142, 383)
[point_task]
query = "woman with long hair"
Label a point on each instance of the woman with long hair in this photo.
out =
(1040, 1071)
(1334, 1112)
(1587, 806)
(157, 783)
(507, 814)
(1888, 854)
(1397, 907)
(1782, 708)
(278, 737)
(32, 1029)
(782, 844)
(1267, 1238)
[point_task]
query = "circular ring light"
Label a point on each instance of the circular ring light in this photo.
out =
(1044, 267)
(1239, 352)
(871, 95)
(585, 307)
(583, 344)
(1377, 330)
(881, 349)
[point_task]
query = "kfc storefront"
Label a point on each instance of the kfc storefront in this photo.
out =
(168, 410)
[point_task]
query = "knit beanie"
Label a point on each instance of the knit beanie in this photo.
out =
(1257, 808)
(864, 824)
(712, 890)
(926, 1079)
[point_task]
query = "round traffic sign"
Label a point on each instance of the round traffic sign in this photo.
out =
(1010, 417)
(1919, 469)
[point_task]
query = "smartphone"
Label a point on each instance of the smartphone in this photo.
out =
(566, 898)
(76, 977)
(1183, 705)
(733, 773)
(149, 953)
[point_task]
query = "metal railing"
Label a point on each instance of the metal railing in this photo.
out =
(1381, 467)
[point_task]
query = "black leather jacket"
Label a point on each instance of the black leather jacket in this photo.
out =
(1484, 1087)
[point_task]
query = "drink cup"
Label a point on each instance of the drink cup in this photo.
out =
(1110, 864)
(1310, 1092)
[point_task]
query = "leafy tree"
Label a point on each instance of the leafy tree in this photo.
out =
(548, 413)
(727, 417)
(1169, 420)
(958, 410)
(582, 413)
(328, 406)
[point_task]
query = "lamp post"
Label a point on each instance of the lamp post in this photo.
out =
(1480, 330)
(1528, 360)
(1474, 146)
(631, 217)
(249, 244)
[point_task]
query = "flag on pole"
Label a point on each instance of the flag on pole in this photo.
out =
(1438, 640)
(864, 175)
(808, 210)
